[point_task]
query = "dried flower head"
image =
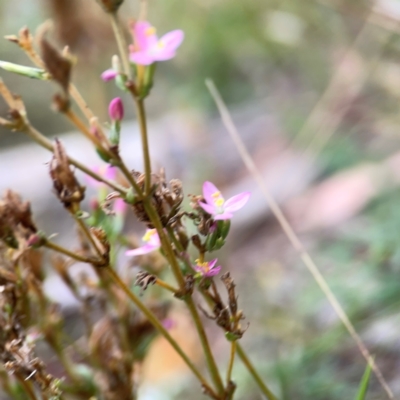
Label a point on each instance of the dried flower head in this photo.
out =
(65, 184)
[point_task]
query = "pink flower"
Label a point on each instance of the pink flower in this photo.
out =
(109, 75)
(148, 48)
(207, 269)
(152, 243)
(105, 171)
(116, 109)
(216, 205)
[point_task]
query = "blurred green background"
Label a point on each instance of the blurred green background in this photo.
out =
(286, 53)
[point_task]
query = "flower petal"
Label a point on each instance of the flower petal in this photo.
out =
(208, 190)
(144, 36)
(207, 208)
(141, 58)
(212, 263)
(163, 55)
(147, 248)
(172, 40)
(223, 216)
(109, 75)
(213, 272)
(235, 203)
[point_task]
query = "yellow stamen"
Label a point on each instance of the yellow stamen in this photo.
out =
(148, 235)
(219, 202)
(150, 31)
(216, 194)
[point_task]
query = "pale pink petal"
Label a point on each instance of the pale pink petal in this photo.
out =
(223, 216)
(147, 248)
(162, 55)
(235, 203)
(212, 263)
(142, 40)
(155, 240)
(119, 206)
(172, 40)
(109, 75)
(207, 208)
(141, 58)
(213, 272)
(208, 190)
(110, 173)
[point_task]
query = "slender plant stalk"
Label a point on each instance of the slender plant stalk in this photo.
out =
(231, 362)
(211, 364)
(80, 102)
(243, 356)
(165, 285)
(141, 116)
(121, 43)
(157, 324)
(69, 253)
(27, 387)
(293, 237)
(89, 235)
(79, 124)
(47, 144)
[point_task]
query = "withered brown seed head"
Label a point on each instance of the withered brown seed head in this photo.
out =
(56, 64)
(65, 184)
(16, 221)
(110, 6)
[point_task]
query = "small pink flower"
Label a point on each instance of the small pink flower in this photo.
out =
(207, 269)
(152, 243)
(116, 109)
(109, 75)
(216, 205)
(148, 48)
(119, 207)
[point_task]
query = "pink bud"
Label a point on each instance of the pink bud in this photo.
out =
(116, 109)
(109, 75)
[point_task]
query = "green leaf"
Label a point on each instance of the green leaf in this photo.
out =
(34, 73)
(363, 388)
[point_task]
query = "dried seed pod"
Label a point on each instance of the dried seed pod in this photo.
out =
(65, 184)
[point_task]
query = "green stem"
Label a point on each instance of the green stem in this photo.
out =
(264, 389)
(121, 43)
(89, 235)
(170, 255)
(157, 324)
(63, 250)
(212, 365)
(231, 362)
(141, 116)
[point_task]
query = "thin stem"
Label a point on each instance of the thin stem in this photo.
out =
(79, 124)
(120, 164)
(166, 285)
(80, 101)
(89, 235)
(212, 365)
(243, 356)
(157, 324)
(27, 387)
(141, 116)
(47, 144)
(231, 362)
(170, 255)
(122, 45)
(69, 253)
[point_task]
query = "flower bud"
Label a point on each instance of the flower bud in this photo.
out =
(116, 109)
